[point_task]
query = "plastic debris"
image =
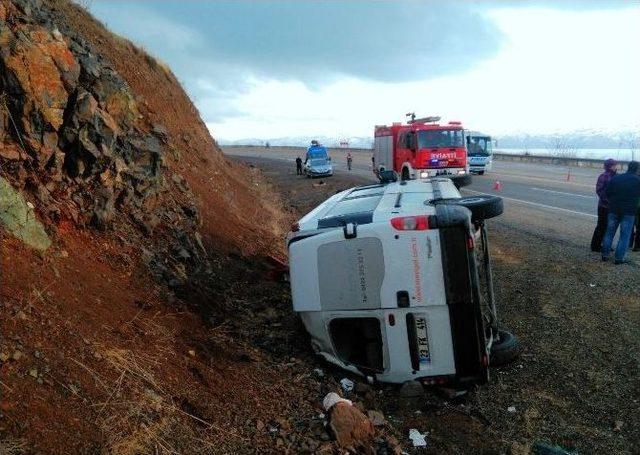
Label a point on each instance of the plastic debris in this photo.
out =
(331, 399)
(318, 372)
(541, 448)
(418, 439)
(511, 409)
(376, 417)
(347, 385)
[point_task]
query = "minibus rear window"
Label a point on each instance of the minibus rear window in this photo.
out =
(358, 341)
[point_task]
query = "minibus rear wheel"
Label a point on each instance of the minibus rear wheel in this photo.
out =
(482, 207)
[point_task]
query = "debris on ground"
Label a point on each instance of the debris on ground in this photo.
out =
(542, 448)
(350, 427)
(411, 389)
(332, 398)
(347, 385)
(417, 439)
(377, 418)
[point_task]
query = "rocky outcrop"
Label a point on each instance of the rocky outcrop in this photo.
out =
(73, 140)
(69, 124)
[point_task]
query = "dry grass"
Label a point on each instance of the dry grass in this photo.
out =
(140, 416)
(154, 61)
(13, 446)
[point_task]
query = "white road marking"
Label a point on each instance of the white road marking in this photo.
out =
(544, 206)
(568, 194)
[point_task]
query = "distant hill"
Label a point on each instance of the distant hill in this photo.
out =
(303, 141)
(581, 139)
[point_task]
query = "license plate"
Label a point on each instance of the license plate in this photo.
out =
(422, 340)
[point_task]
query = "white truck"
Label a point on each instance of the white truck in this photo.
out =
(393, 282)
(479, 152)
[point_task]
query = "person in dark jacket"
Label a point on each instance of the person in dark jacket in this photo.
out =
(603, 204)
(299, 166)
(636, 237)
(623, 193)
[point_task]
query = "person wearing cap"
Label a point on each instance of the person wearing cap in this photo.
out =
(623, 195)
(603, 204)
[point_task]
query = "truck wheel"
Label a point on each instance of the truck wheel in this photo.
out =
(461, 180)
(405, 174)
(480, 172)
(482, 207)
(504, 349)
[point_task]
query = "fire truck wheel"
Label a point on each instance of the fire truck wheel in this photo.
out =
(482, 207)
(505, 349)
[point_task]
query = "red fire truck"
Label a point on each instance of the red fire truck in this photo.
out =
(421, 148)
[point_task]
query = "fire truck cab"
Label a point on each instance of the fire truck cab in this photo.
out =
(421, 148)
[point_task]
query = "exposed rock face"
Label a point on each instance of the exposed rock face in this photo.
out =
(69, 113)
(72, 135)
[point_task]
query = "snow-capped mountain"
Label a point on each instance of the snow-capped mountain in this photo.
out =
(580, 139)
(304, 141)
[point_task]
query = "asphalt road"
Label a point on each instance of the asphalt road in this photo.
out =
(547, 200)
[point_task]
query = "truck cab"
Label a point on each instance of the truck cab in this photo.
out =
(479, 152)
(421, 149)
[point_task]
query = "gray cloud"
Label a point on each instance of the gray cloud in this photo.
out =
(224, 42)
(309, 41)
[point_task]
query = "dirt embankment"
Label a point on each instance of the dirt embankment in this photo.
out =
(127, 239)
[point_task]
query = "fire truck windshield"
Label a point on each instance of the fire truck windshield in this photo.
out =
(440, 138)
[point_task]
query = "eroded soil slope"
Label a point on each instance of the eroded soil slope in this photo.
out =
(127, 240)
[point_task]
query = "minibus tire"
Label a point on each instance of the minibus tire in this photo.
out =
(505, 349)
(482, 207)
(461, 180)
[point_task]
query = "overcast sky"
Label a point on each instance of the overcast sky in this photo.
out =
(268, 69)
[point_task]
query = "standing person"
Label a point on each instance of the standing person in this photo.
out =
(603, 204)
(636, 237)
(299, 166)
(623, 194)
(349, 160)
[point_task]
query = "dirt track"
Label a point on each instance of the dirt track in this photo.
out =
(576, 383)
